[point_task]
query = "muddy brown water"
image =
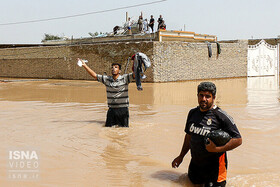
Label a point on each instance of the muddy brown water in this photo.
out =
(64, 122)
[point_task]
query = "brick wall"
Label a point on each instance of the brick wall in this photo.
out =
(171, 61)
(189, 61)
(60, 62)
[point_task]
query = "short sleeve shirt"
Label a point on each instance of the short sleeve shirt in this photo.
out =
(117, 90)
(199, 124)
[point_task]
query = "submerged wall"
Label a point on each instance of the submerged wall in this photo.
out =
(171, 61)
(175, 61)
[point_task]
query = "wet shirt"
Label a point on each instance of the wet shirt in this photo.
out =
(199, 124)
(117, 90)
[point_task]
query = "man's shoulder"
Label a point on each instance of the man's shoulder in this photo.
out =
(217, 110)
(223, 115)
(123, 76)
(104, 78)
(193, 110)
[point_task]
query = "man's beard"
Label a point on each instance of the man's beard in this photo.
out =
(205, 105)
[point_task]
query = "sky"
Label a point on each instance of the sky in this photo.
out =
(227, 19)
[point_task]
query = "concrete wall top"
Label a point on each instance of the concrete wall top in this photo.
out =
(271, 41)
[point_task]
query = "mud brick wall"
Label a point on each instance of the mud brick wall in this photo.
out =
(60, 62)
(171, 61)
(177, 61)
(101, 56)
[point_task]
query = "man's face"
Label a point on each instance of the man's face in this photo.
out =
(205, 100)
(115, 70)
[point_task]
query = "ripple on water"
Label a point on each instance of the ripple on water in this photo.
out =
(255, 180)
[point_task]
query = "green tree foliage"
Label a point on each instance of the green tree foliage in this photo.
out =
(93, 34)
(96, 34)
(48, 37)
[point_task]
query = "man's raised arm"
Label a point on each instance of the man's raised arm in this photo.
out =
(90, 71)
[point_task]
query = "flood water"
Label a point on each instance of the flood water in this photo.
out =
(64, 122)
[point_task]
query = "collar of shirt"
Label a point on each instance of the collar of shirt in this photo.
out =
(113, 80)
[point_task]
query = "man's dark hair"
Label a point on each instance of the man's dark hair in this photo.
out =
(120, 66)
(207, 86)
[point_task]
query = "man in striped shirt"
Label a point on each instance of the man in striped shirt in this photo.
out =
(117, 94)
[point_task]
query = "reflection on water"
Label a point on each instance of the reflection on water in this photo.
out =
(263, 83)
(263, 101)
(263, 90)
(65, 120)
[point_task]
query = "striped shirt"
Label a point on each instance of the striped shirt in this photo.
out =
(117, 90)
